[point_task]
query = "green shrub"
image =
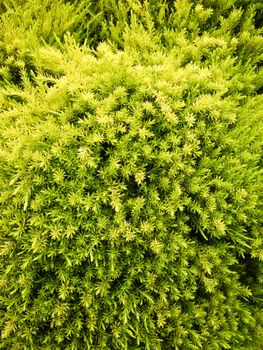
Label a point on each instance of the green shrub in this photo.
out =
(203, 31)
(131, 194)
(30, 21)
(27, 25)
(131, 181)
(107, 20)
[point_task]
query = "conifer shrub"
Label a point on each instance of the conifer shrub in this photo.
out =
(204, 30)
(131, 194)
(107, 20)
(26, 25)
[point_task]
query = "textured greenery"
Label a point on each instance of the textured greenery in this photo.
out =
(106, 20)
(131, 176)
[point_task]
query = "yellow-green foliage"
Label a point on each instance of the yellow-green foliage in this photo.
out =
(131, 180)
(25, 25)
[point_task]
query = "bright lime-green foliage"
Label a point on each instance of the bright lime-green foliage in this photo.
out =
(24, 25)
(131, 176)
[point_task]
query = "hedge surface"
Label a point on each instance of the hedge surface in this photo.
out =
(131, 176)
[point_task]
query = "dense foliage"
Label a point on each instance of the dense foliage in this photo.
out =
(131, 175)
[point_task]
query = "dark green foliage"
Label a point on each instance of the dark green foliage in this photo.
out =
(131, 176)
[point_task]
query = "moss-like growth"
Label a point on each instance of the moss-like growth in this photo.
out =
(131, 175)
(27, 25)
(130, 208)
